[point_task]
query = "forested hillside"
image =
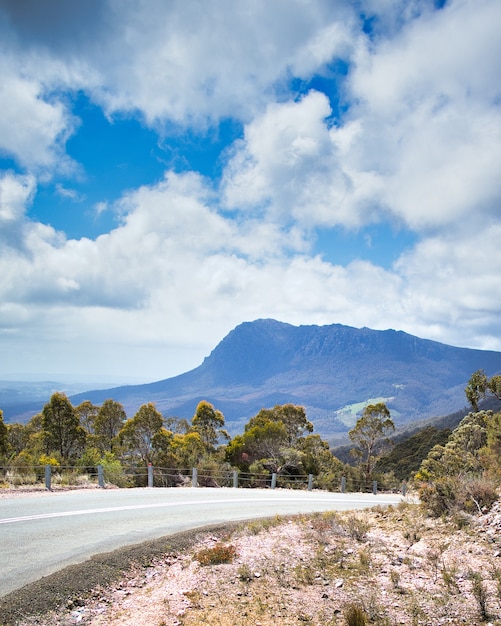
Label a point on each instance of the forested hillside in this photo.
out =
(278, 442)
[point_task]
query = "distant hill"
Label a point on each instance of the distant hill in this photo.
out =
(331, 370)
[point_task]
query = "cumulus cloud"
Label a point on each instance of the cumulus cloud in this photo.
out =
(452, 285)
(292, 166)
(32, 130)
(429, 102)
(210, 61)
(416, 141)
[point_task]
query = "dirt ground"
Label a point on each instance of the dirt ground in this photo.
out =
(74, 585)
(392, 565)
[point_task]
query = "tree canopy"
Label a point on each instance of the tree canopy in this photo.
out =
(61, 429)
(370, 432)
(479, 386)
(208, 423)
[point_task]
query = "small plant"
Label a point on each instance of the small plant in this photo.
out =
(356, 527)
(217, 555)
(479, 591)
(496, 575)
(365, 559)
(434, 556)
(449, 577)
(304, 574)
(395, 578)
(412, 534)
(245, 573)
(257, 526)
(355, 615)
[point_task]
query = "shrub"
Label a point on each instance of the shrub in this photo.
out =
(480, 594)
(481, 493)
(450, 495)
(113, 471)
(355, 615)
(356, 527)
(217, 555)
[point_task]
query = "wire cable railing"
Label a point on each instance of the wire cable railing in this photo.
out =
(65, 477)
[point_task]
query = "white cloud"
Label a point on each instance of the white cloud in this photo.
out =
(452, 285)
(206, 61)
(420, 143)
(31, 129)
(429, 119)
(15, 193)
(289, 164)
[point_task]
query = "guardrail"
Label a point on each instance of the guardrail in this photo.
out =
(53, 477)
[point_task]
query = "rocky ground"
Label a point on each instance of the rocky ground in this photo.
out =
(379, 566)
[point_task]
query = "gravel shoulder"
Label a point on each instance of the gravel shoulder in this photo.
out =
(394, 565)
(74, 585)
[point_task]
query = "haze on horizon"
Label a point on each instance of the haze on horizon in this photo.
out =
(170, 170)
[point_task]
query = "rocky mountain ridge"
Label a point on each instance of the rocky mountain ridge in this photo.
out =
(332, 370)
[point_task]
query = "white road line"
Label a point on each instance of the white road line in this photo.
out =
(132, 507)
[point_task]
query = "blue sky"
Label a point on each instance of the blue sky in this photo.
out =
(171, 169)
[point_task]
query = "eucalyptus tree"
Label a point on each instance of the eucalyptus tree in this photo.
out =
(61, 429)
(108, 422)
(144, 435)
(208, 422)
(480, 386)
(87, 413)
(4, 441)
(370, 433)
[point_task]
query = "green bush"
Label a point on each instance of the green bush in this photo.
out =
(451, 495)
(113, 472)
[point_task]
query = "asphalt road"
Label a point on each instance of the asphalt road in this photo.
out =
(40, 534)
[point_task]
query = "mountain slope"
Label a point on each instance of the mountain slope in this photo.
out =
(331, 370)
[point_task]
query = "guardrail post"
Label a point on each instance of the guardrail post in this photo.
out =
(235, 479)
(150, 475)
(273, 480)
(48, 477)
(310, 482)
(194, 477)
(343, 484)
(374, 487)
(100, 476)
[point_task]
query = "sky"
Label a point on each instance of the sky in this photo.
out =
(172, 168)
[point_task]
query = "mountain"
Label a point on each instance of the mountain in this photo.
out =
(331, 370)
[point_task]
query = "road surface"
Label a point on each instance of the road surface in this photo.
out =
(40, 534)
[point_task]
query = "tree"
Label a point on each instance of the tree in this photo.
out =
(18, 436)
(292, 416)
(491, 453)
(87, 412)
(107, 424)
(61, 428)
(479, 386)
(208, 423)
(370, 432)
(274, 438)
(265, 442)
(138, 434)
(187, 450)
(460, 455)
(318, 457)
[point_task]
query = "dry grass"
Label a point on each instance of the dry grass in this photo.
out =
(381, 566)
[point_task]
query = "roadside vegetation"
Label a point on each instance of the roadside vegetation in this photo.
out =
(436, 562)
(450, 469)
